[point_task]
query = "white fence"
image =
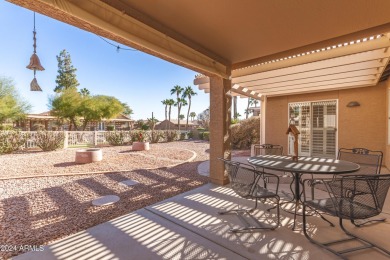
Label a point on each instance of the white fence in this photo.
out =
(73, 138)
(81, 138)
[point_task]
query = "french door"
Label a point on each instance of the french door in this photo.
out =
(317, 123)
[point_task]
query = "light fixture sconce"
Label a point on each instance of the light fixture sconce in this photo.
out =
(353, 104)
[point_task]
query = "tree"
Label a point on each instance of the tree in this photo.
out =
(84, 92)
(255, 102)
(188, 93)
(179, 104)
(66, 77)
(127, 111)
(142, 125)
(99, 107)
(177, 90)
(247, 112)
(192, 115)
(152, 122)
(165, 102)
(170, 103)
(181, 116)
(12, 106)
(204, 118)
(250, 102)
(66, 105)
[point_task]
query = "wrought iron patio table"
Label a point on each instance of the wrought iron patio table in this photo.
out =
(304, 165)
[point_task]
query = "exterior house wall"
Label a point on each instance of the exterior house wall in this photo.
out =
(363, 126)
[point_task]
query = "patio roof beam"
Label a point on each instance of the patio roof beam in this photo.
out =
(365, 68)
(118, 25)
(323, 81)
(313, 89)
(318, 45)
(321, 56)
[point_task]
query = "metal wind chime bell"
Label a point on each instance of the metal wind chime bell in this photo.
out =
(35, 64)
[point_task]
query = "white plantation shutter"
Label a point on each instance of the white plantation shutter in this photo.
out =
(317, 123)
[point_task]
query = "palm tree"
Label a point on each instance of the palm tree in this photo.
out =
(250, 102)
(192, 115)
(247, 112)
(179, 104)
(181, 116)
(177, 90)
(170, 103)
(188, 93)
(165, 102)
(255, 102)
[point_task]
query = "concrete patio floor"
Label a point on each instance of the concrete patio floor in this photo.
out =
(188, 226)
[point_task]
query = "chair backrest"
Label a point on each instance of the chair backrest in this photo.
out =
(359, 196)
(231, 168)
(268, 149)
(242, 177)
(370, 161)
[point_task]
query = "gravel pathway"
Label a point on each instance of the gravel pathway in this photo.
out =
(36, 211)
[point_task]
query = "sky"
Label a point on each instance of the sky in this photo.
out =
(134, 77)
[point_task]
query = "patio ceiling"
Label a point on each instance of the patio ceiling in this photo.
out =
(213, 37)
(358, 63)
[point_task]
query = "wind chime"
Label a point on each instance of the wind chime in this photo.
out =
(35, 64)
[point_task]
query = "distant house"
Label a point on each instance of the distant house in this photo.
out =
(254, 110)
(48, 122)
(173, 125)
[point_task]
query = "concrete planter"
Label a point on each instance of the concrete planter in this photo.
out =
(88, 155)
(140, 146)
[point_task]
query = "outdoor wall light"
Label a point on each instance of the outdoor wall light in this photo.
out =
(353, 104)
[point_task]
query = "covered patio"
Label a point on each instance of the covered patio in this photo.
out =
(279, 52)
(188, 227)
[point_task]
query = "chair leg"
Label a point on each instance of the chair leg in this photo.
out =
(323, 245)
(351, 237)
(368, 243)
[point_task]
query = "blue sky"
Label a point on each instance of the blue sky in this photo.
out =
(139, 79)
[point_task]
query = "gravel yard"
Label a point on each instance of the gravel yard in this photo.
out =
(38, 210)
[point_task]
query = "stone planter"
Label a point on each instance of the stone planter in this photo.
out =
(140, 146)
(88, 155)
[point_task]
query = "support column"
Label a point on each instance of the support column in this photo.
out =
(220, 119)
(262, 119)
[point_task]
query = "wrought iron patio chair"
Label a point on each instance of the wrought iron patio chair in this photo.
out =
(350, 197)
(249, 184)
(267, 149)
(370, 163)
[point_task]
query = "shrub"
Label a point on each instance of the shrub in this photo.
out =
(245, 133)
(206, 136)
(117, 138)
(172, 135)
(110, 128)
(11, 141)
(156, 136)
(6, 127)
(139, 136)
(49, 141)
(191, 134)
(201, 135)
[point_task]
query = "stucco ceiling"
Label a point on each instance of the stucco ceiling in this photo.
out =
(243, 30)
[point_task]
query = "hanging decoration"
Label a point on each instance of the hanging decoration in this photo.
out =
(35, 64)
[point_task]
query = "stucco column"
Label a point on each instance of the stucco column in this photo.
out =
(263, 111)
(220, 117)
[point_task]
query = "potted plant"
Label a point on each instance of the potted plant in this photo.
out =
(140, 144)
